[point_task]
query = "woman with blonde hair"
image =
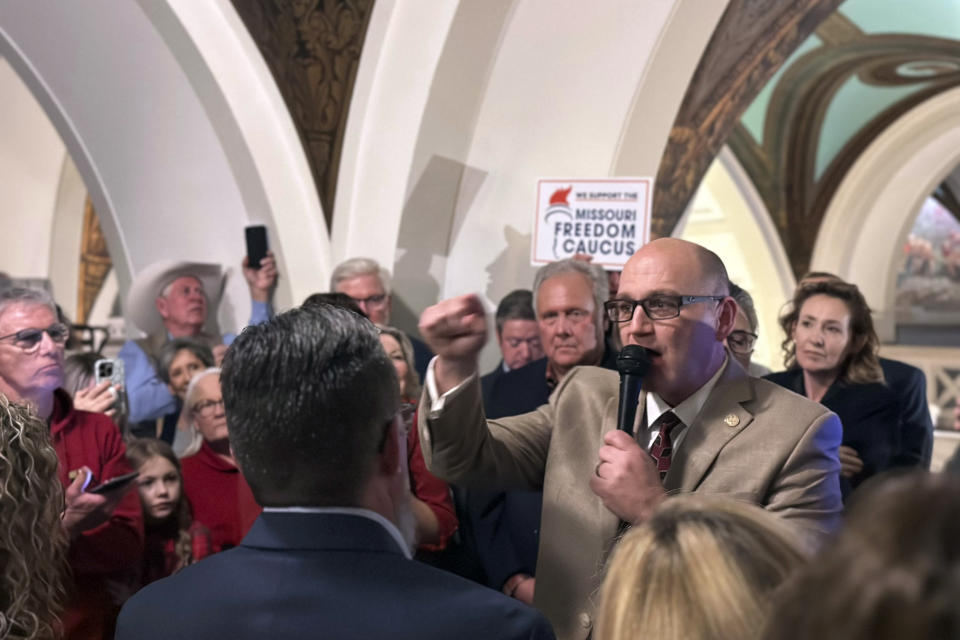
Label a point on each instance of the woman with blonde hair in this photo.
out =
(436, 519)
(830, 349)
(33, 544)
(701, 567)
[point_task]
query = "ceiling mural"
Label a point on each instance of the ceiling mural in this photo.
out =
(832, 98)
(749, 45)
(312, 48)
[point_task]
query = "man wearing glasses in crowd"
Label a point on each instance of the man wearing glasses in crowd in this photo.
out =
(369, 285)
(702, 425)
(105, 529)
(743, 339)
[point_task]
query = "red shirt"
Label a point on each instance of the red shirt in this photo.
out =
(431, 489)
(160, 555)
(220, 497)
(111, 551)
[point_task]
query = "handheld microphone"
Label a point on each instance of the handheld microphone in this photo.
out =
(632, 363)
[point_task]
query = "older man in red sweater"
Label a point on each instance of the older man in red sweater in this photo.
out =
(105, 530)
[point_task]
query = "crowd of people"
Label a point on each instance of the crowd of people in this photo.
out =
(324, 473)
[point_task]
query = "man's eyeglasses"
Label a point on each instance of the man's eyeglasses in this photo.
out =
(374, 301)
(659, 307)
(741, 341)
(28, 340)
(208, 408)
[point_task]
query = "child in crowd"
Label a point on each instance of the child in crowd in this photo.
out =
(173, 538)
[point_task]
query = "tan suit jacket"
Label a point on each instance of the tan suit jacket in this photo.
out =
(753, 440)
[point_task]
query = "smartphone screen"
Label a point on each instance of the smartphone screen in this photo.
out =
(256, 244)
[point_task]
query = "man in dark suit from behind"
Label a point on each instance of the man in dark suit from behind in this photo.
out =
(312, 405)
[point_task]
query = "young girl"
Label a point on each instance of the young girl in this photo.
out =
(173, 539)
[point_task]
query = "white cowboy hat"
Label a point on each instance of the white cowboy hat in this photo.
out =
(150, 283)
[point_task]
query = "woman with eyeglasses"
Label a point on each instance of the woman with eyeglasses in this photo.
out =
(743, 339)
(212, 482)
(173, 537)
(830, 353)
(433, 509)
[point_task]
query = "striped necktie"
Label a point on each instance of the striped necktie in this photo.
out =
(662, 449)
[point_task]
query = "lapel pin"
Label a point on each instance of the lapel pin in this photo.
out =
(731, 420)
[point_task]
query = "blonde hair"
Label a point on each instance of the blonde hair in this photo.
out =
(701, 567)
(411, 383)
(33, 545)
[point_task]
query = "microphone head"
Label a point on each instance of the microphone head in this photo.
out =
(633, 360)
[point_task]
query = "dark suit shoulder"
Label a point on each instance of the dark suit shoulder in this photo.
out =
(250, 592)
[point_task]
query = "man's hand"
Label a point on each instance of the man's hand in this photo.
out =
(88, 510)
(98, 399)
(850, 462)
(456, 330)
(261, 281)
(626, 479)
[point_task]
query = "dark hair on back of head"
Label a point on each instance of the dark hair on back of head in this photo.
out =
(308, 395)
(335, 299)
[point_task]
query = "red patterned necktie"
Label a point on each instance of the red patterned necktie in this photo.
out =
(662, 448)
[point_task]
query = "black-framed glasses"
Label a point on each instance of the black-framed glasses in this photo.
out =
(28, 340)
(658, 307)
(742, 342)
(208, 408)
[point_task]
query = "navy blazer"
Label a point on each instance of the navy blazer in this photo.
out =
(301, 575)
(909, 384)
(872, 425)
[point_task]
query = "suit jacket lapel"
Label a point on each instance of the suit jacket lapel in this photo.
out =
(721, 419)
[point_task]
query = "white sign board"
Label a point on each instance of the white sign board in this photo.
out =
(608, 219)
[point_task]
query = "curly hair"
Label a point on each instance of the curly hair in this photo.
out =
(861, 364)
(33, 544)
(140, 451)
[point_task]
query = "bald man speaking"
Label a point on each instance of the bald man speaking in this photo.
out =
(702, 425)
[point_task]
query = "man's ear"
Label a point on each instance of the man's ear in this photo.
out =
(161, 304)
(388, 463)
(726, 317)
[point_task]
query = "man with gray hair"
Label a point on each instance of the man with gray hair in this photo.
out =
(317, 428)
(368, 284)
(504, 527)
(105, 529)
(173, 299)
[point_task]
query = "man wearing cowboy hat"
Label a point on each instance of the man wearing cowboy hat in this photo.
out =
(171, 299)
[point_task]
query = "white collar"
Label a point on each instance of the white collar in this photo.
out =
(688, 410)
(352, 511)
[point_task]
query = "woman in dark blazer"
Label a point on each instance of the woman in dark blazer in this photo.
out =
(831, 358)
